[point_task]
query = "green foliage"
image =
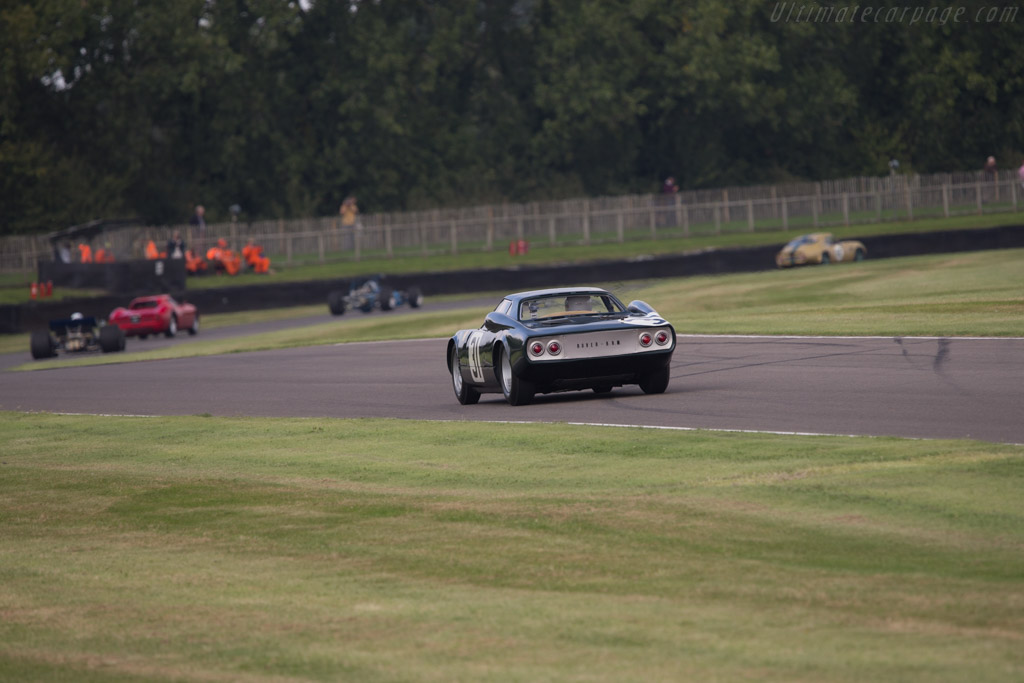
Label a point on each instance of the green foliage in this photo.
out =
(197, 548)
(115, 108)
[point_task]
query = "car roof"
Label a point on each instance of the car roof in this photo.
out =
(555, 292)
(154, 297)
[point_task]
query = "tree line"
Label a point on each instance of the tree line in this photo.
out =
(116, 108)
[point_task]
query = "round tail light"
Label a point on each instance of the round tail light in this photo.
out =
(661, 337)
(646, 339)
(536, 348)
(554, 348)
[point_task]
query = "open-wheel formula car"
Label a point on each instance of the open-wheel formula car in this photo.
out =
(370, 294)
(74, 334)
(561, 340)
(160, 314)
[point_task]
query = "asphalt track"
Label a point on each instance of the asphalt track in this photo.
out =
(911, 387)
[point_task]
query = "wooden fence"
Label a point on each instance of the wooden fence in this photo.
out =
(803, 206)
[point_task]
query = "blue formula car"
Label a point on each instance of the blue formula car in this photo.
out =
(370, 294)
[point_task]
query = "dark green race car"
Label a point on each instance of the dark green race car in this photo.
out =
(566, 339)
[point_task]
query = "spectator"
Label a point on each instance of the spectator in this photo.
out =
(894, 166)
(350, 220)
(990, 167)
(198, 220)
(64, 252)
(104, 254)
(176, 246)
(194, 264)
(223, 258)
(254, 258)
(349, 212)
(85, 252)
(1020, 174)
(151, 251)
(669, 192)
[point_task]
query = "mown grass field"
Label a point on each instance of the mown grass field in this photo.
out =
(193, 548)
(977, 293)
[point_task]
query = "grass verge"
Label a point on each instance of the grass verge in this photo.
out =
(373, 550)
(966, 294)
(972, 294)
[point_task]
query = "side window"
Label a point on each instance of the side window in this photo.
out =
(503, 307)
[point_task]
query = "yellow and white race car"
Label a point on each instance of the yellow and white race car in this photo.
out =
(819, 247)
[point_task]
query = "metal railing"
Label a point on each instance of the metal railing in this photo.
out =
(797, 206)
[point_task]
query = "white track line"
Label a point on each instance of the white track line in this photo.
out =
(827, 337)
(603, 424)
(734, 431)
(688, 429)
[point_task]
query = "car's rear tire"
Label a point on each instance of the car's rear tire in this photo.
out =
(825, 260)
(465, 394)
(111, 339)
(415, 297)
(655, 382)
(336, 302)
(42, 345)
(517, 391)
(172, 327)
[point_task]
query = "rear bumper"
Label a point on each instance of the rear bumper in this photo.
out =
(592, 372)
(131, 329)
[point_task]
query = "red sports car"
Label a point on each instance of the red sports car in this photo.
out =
(148, 315)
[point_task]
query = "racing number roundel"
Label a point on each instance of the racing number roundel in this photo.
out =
(840, 252)
(476, 369)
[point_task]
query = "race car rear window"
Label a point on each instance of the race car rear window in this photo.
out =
(144, 304)
(562, 305)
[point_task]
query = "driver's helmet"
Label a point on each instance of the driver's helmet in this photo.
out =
(77, 316)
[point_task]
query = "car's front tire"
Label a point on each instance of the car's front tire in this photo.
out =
(517, 391)
(172, 327)
(387, 300)
(825, 260)
(465, 394)
(415, 297)
(42, 345)
(655, 382)
(193, 329)
(858, 255)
